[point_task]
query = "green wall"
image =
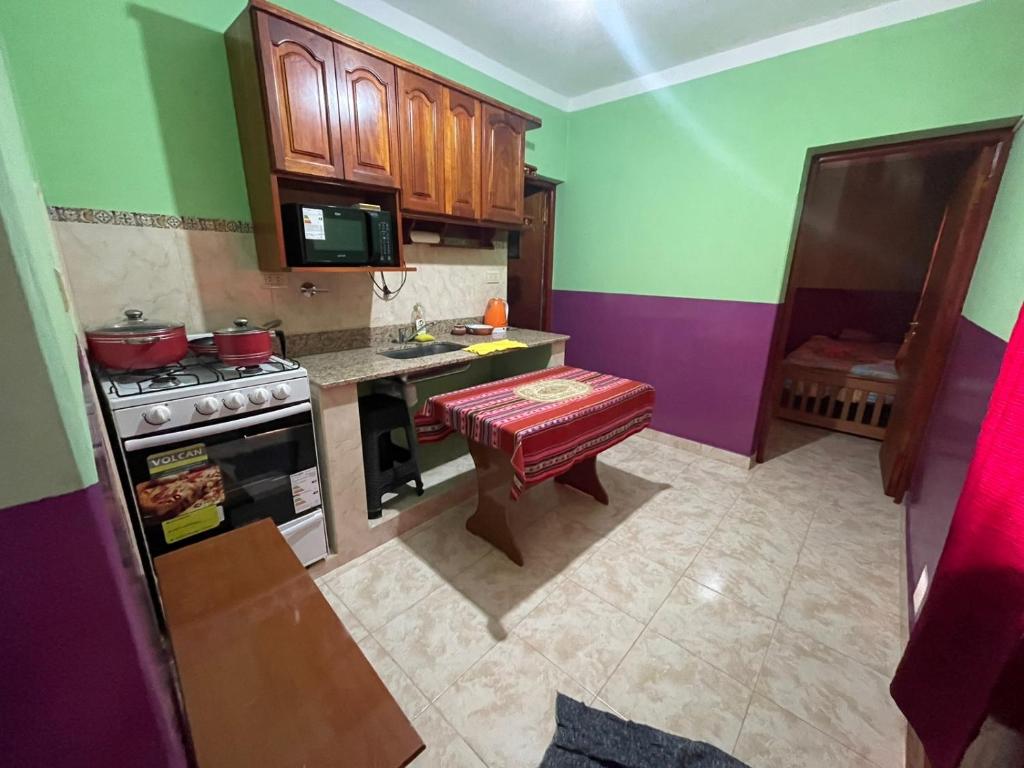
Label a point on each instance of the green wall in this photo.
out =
(997, 289)
(691, 190)
(128, 104)
(46, 448)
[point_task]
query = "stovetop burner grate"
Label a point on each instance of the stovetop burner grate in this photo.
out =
(189, 372)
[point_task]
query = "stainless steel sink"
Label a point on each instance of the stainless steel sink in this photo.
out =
(422, 350)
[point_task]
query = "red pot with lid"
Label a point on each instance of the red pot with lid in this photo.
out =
(245, 345)
(136, 343)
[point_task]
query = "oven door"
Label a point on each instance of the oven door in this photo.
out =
(193, 484)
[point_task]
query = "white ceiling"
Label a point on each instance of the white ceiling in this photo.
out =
(575, 53)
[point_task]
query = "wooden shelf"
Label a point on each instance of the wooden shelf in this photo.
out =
(352, 270)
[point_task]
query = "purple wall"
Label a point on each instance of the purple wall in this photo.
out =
(84, 680)
(949, 444)
(886, 314)
(705, 358)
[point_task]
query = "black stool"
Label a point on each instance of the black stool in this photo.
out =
(386, 466)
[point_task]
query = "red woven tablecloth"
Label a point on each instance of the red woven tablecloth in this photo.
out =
(546, 421)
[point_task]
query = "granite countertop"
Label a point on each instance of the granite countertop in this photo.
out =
(354, 365)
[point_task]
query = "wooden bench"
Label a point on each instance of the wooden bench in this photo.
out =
(268, 674)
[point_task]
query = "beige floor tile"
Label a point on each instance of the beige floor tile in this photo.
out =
(756, 582)
(671, 545)
(792, 512)
(446, 546)
(726, 634)
(687, 508)
(748, 532)
(560, 543)
(505, 591)
(835, 694)
(438, 639)
(876, 583)
(444, 747)
(348, 619)
(381, 588)
(504, 706)
(663, 685)
(581, 633)
(625, 578)
(843, 620)
(772, 738)
(409, 697)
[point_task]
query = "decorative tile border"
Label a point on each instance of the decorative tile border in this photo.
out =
(135, 219)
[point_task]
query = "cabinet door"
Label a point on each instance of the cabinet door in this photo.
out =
(462, 154)
(421, 132)
(302, 98)
(502, 159)
(369, 123)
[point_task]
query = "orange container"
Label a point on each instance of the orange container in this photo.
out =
(496, 313)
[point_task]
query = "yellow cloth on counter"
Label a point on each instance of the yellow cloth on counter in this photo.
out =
(486, 347)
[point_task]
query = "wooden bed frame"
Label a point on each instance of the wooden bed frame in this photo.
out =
(835, 400)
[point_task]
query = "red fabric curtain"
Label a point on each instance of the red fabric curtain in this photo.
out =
(964, 656)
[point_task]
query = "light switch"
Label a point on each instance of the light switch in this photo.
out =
(493, 276)
(274, 279)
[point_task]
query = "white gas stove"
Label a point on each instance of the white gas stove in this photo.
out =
(199, 390)
(206, 447)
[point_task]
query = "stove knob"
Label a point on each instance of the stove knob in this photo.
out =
(259, 396)
(157, 415)
(234, 401)
(281, 391)
(208, 405)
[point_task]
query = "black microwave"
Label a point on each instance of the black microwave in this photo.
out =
(335, 236)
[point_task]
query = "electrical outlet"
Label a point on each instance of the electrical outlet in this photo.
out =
(921, 591)
(493, 276)
(273, 280)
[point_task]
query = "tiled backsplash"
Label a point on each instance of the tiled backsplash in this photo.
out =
(207, 278)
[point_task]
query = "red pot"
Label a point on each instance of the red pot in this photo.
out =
(135, 343)
(243, 345)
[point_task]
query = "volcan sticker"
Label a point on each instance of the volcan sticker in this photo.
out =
(305, 490)
(191, 523)
(183, 493)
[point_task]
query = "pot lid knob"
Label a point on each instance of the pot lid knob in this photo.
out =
(241, 322)
(133, 314)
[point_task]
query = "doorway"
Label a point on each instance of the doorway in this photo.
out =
(531, 257)
(885, 247)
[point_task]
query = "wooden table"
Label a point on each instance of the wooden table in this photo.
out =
(530, 428)
(269, 675)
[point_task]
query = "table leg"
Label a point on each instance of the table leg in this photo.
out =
(583, 477)
(494, 481)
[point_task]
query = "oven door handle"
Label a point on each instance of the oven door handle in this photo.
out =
(142, 443)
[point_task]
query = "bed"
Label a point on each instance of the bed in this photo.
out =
(844, 384)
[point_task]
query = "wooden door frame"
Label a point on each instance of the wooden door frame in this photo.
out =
(536, 184)
(962, 138)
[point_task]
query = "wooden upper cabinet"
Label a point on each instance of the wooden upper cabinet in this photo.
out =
(502, 159)
(302, 98)
(462, 154)
(369, 121)
(421, 133)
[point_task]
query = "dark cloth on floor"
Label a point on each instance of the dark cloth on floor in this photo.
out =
(590, 738)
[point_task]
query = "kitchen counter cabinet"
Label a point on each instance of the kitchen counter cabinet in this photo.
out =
(335, 379)
(268, 674)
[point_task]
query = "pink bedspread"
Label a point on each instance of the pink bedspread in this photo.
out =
(871, 359)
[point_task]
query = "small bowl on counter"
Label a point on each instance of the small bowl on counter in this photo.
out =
(458, 330)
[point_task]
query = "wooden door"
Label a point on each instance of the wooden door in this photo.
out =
(421, 134)
(462, 154)
(302, 98)
(502, 160)
(369, 120)
(529, 263)
(923, 355)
